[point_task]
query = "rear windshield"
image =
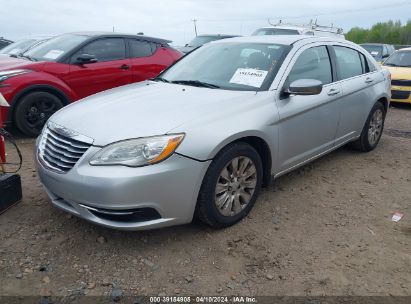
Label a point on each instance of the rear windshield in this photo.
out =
(200, 40)
(374, 50)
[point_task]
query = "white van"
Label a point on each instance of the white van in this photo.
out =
(311, 30)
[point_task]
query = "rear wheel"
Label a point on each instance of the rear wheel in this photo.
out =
(230, 186)
(34, 109)
(372, 131)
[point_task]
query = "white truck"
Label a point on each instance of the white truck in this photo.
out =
(311, 29)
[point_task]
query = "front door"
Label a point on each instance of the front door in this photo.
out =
(112, 69)
(308, 124)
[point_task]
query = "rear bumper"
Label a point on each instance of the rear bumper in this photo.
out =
(126, 198)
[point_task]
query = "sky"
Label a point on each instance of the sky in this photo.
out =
(172, 19)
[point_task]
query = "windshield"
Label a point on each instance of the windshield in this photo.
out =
(17, 47)
(374, 50)
(400, 58)
(274, 31)
(55, 48)
(230, 66)
(200, 40)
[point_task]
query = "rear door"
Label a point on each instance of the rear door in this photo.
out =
(357, 79)
(147, 59)
(112, 69)
(308, 124)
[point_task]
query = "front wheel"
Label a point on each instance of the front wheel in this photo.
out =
(230, 186)
(372, 131)
(33, 110)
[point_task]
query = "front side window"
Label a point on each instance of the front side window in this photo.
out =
(348, 61)
(230, 66)
(313, 63)
(106, 49)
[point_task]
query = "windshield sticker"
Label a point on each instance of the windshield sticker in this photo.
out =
(374, 53)
(249, 77)
(53, 54)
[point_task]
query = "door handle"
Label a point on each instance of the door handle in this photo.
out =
(333, 92)
(125, 67)
(369, 80)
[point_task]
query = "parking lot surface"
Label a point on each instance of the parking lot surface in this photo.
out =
(324, 229)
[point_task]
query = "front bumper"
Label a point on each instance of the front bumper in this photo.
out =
(161, 195)
(401, 94)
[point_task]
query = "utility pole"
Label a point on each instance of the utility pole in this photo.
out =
(195, 25)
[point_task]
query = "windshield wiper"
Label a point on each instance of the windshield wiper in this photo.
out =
(159, 79)
(28, 57)
(196, 83)
(391, 64)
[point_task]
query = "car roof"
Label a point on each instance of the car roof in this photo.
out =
(405, 49)
(218, 35)
(282, 39)
(93, 34)
(286, 27)
(374, 44)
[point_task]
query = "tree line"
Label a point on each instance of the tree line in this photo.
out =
(391, 32)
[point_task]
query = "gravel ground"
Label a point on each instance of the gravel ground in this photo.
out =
(325, 229)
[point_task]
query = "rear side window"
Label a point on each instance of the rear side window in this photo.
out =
(140, 48)
(313, 63)
(348, 61)
(106, 49)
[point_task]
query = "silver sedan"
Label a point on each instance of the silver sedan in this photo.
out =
(207, 134)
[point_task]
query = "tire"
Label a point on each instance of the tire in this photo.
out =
(372, 131)
(33, 110)
(223, 209)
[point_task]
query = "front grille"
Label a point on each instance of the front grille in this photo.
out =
(399, 82)
(60, 153)
(400, 94)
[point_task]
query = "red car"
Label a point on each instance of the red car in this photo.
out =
(69, 67)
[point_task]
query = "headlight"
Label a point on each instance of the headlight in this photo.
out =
(7, 74)
(138, 152)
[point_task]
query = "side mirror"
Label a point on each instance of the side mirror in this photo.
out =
(186, 45)
(86, 58)
(385, 56)
(305, 87)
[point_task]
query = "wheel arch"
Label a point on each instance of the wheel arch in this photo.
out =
(385, 102)
(36, 88)
(262, 148)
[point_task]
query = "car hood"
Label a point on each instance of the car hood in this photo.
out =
(11, 63)
(399, 73)
(144, 109)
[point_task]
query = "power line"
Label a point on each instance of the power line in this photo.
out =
(313, 15)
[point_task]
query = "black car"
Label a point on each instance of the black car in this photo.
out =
(379, 51)
(203, 39)
(4, 42)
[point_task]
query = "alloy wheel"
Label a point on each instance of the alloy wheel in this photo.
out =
(235, 186)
